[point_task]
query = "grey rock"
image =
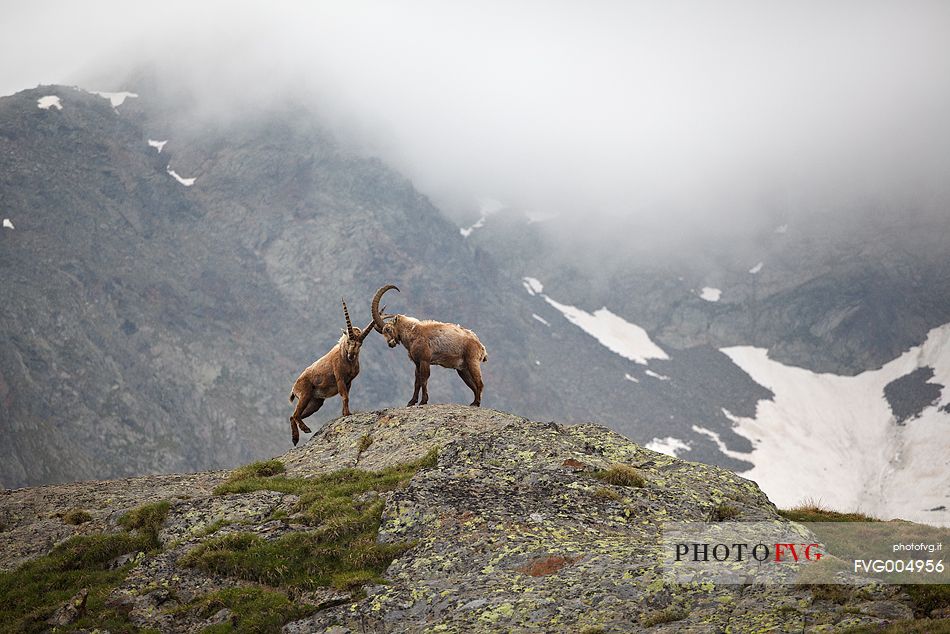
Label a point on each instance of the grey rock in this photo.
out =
(71, 611)
(479, 563)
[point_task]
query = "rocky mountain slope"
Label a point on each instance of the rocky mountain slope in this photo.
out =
(839, 319)
(156, 326)
(477, 520)
(167, 272)
(151, 326)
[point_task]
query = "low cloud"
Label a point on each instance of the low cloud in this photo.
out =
(697, 111)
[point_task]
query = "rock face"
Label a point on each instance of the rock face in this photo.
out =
(149, 326)
(509, 531)
(840, 292)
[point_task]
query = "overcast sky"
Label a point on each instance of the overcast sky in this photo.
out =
(618, 107)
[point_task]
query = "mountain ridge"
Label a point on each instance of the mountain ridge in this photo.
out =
(502, 523)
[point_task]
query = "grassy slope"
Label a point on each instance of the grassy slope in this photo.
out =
(924, 598)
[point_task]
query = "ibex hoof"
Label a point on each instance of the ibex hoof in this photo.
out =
(410, 403)
(476, 403)
(303, 428)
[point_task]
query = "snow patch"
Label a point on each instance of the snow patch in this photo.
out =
(670, 446)
(613, 332)
(49, 101)
(657, 375)
(116, 98)
(630, 377)
(532, 285)
(714, 436)
(541, 319)
(187, 182)
(486, 207)
(467, 231)
(835, 438)
(158, 145)
(755, 269)
(710, 294)
(7, 223)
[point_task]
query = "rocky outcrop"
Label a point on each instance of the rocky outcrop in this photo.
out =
(510, 529)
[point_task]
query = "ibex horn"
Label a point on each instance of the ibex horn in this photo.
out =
(346, 313)
(366, 331)
(377, 320)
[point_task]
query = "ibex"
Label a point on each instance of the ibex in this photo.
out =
(329, 375)
(433, 342)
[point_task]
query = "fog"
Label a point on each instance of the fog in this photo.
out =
(700, 112)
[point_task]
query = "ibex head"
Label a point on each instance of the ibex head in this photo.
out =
(352, 337)
(386, 328)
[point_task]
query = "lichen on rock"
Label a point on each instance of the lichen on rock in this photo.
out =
(517, 526)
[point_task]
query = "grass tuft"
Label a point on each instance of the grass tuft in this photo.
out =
(929, 597)
(259, 469)
(147, 518)
(213, 527)
(922, 626)
(666, 615)
(621, 475)
(32, 592)
(76, 517)
(364, 443)
(724, 512)
(341, 550)
(925, 598)
(813, 511)
(255, 610)
(603, 493)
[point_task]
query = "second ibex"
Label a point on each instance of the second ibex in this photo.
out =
(433, 343)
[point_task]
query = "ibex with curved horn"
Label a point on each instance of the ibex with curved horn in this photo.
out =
(329, 375)
(433, 342)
